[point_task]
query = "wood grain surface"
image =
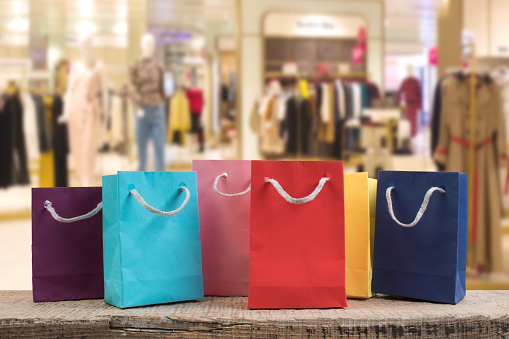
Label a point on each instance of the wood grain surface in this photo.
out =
(482, 314)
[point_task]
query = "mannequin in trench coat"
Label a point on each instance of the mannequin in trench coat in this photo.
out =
(490, 141)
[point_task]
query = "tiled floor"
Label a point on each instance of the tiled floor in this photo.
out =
(15, 255)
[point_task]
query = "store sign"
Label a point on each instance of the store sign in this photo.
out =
(311, 25)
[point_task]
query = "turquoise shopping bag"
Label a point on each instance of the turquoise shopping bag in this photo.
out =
(151, 238)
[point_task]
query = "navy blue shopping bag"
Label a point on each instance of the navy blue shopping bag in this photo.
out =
(421, 235)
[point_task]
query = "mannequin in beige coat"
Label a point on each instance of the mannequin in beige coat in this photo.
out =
(453, 152)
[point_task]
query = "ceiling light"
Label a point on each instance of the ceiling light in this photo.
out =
(197, 43)
(85, 27)
(17, 6)
(18, 25)
(85, 7)
(120, 28)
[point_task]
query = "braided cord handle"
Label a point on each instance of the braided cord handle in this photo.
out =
(423, 208)
(224, 176)
(149, 208)
(49, 206)
(293, 200)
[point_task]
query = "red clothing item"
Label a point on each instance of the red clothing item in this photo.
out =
(195, 97)
(411, 91)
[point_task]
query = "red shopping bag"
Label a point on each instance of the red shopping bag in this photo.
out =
(297, 245)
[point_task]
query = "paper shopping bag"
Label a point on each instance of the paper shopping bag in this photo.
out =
(421, 235)
(67, 244)
(151, 238)
(372, 215)
(357, 236)
(224, 193)
(297, 253)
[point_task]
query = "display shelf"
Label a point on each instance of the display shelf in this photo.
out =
(482, 314)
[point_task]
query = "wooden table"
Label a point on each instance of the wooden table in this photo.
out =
(482, 314)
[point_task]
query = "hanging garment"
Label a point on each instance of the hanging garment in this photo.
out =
(326, 129)
(313, 133)
(180, 119)
(60, 144)
(297, 125)
(501, 76)
(373, 92)
(196, 102)
(30, 127)
(364, 97)
(435, 115)
(83, 113)
(147, 78)
(303, 89)
(43, 131)
(410, 90)
(13, 161)
(340, 115)
(350, 114)
(318, 92)
(349, 107)
(224, 93)
(271, 142)
(356, 100)
(325, 108)
(490, 148)
(6, 145)
(341, 103)
(47, 164)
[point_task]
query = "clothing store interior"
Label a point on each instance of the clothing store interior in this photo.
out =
(92, 87)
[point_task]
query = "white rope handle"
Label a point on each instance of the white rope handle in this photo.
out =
(423, 208)
(292, 200)
(149, 208)
(225, 175)
(49, 206)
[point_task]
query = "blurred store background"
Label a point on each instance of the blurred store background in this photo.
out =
(91, 87)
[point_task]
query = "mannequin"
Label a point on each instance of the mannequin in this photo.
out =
(148, 94)
(410, 89)
(81, 109)
(409, 70)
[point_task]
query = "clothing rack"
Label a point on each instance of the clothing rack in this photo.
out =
(353, 75)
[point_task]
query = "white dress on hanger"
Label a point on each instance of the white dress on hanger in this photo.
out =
(83, 119)
(30, 127)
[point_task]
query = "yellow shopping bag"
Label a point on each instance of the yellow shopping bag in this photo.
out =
(372, 214)
(359, 230)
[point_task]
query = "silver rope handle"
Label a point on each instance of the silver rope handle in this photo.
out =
(49, 206)
(423, 208)
(292, 200)
(225, 175)
(149, 208)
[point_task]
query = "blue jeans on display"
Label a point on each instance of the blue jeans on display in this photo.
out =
(151, 125)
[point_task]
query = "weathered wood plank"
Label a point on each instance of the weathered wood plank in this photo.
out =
(482, 314)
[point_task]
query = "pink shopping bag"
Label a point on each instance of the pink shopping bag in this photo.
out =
(224, 203)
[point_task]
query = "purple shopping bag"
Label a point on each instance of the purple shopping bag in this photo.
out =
(67, 246)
